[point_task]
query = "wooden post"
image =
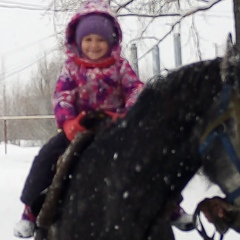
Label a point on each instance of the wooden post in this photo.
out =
(5, 135)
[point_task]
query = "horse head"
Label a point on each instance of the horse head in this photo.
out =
(220, 137)
(223, 128)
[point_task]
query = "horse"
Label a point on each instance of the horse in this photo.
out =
(121, 185)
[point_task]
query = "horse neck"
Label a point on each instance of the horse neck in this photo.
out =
(170, 111)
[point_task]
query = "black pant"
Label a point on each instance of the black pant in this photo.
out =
(43, 168)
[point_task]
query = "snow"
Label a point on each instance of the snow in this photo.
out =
(14, 167)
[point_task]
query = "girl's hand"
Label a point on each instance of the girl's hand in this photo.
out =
(73, 126)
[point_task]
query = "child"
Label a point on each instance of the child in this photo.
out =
(94, 77)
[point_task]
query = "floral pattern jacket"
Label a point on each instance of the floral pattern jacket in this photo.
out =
(84, 86)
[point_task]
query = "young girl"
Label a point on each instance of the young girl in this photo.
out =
(94, 77)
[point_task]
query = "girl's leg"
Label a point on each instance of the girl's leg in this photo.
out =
(39, 178)
(43, 168)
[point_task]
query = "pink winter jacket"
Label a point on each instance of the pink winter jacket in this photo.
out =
(83, 86)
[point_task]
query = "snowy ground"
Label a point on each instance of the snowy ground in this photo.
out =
(15, 165)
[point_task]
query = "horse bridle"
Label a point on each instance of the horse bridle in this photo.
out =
(229, 108)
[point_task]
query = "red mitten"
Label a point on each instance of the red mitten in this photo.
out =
(115, 116)
(73, 126)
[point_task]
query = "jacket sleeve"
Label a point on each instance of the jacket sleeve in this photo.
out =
(131, 84)
(64, 98)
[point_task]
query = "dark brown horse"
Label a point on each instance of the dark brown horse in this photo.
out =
(122, 183)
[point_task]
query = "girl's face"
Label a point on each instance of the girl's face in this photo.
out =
(94, 47)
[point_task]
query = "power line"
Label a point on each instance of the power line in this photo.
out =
(28, 45)
(216, 16)
(19, 2)
(31, 7)
(22, 6)
(20, 69)
(22, 61)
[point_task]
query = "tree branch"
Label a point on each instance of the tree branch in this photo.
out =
(187, 14)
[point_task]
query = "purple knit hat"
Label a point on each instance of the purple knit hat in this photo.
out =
(96, 24)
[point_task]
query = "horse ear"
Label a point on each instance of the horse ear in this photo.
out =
(230, 61)
(229, 42)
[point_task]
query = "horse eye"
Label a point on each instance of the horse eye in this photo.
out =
(221, 127)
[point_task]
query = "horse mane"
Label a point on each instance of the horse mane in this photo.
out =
(165, 91)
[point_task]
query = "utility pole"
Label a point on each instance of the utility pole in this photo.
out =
(236, 10)
(4, 103)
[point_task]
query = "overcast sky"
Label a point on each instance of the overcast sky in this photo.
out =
(27, 34)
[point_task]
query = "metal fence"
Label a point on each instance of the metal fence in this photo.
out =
(7, 119)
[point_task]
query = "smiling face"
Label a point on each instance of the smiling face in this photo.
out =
(94, 47)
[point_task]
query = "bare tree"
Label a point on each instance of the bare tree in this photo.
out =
(147, 12)
(34, 99)
(43, 82)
